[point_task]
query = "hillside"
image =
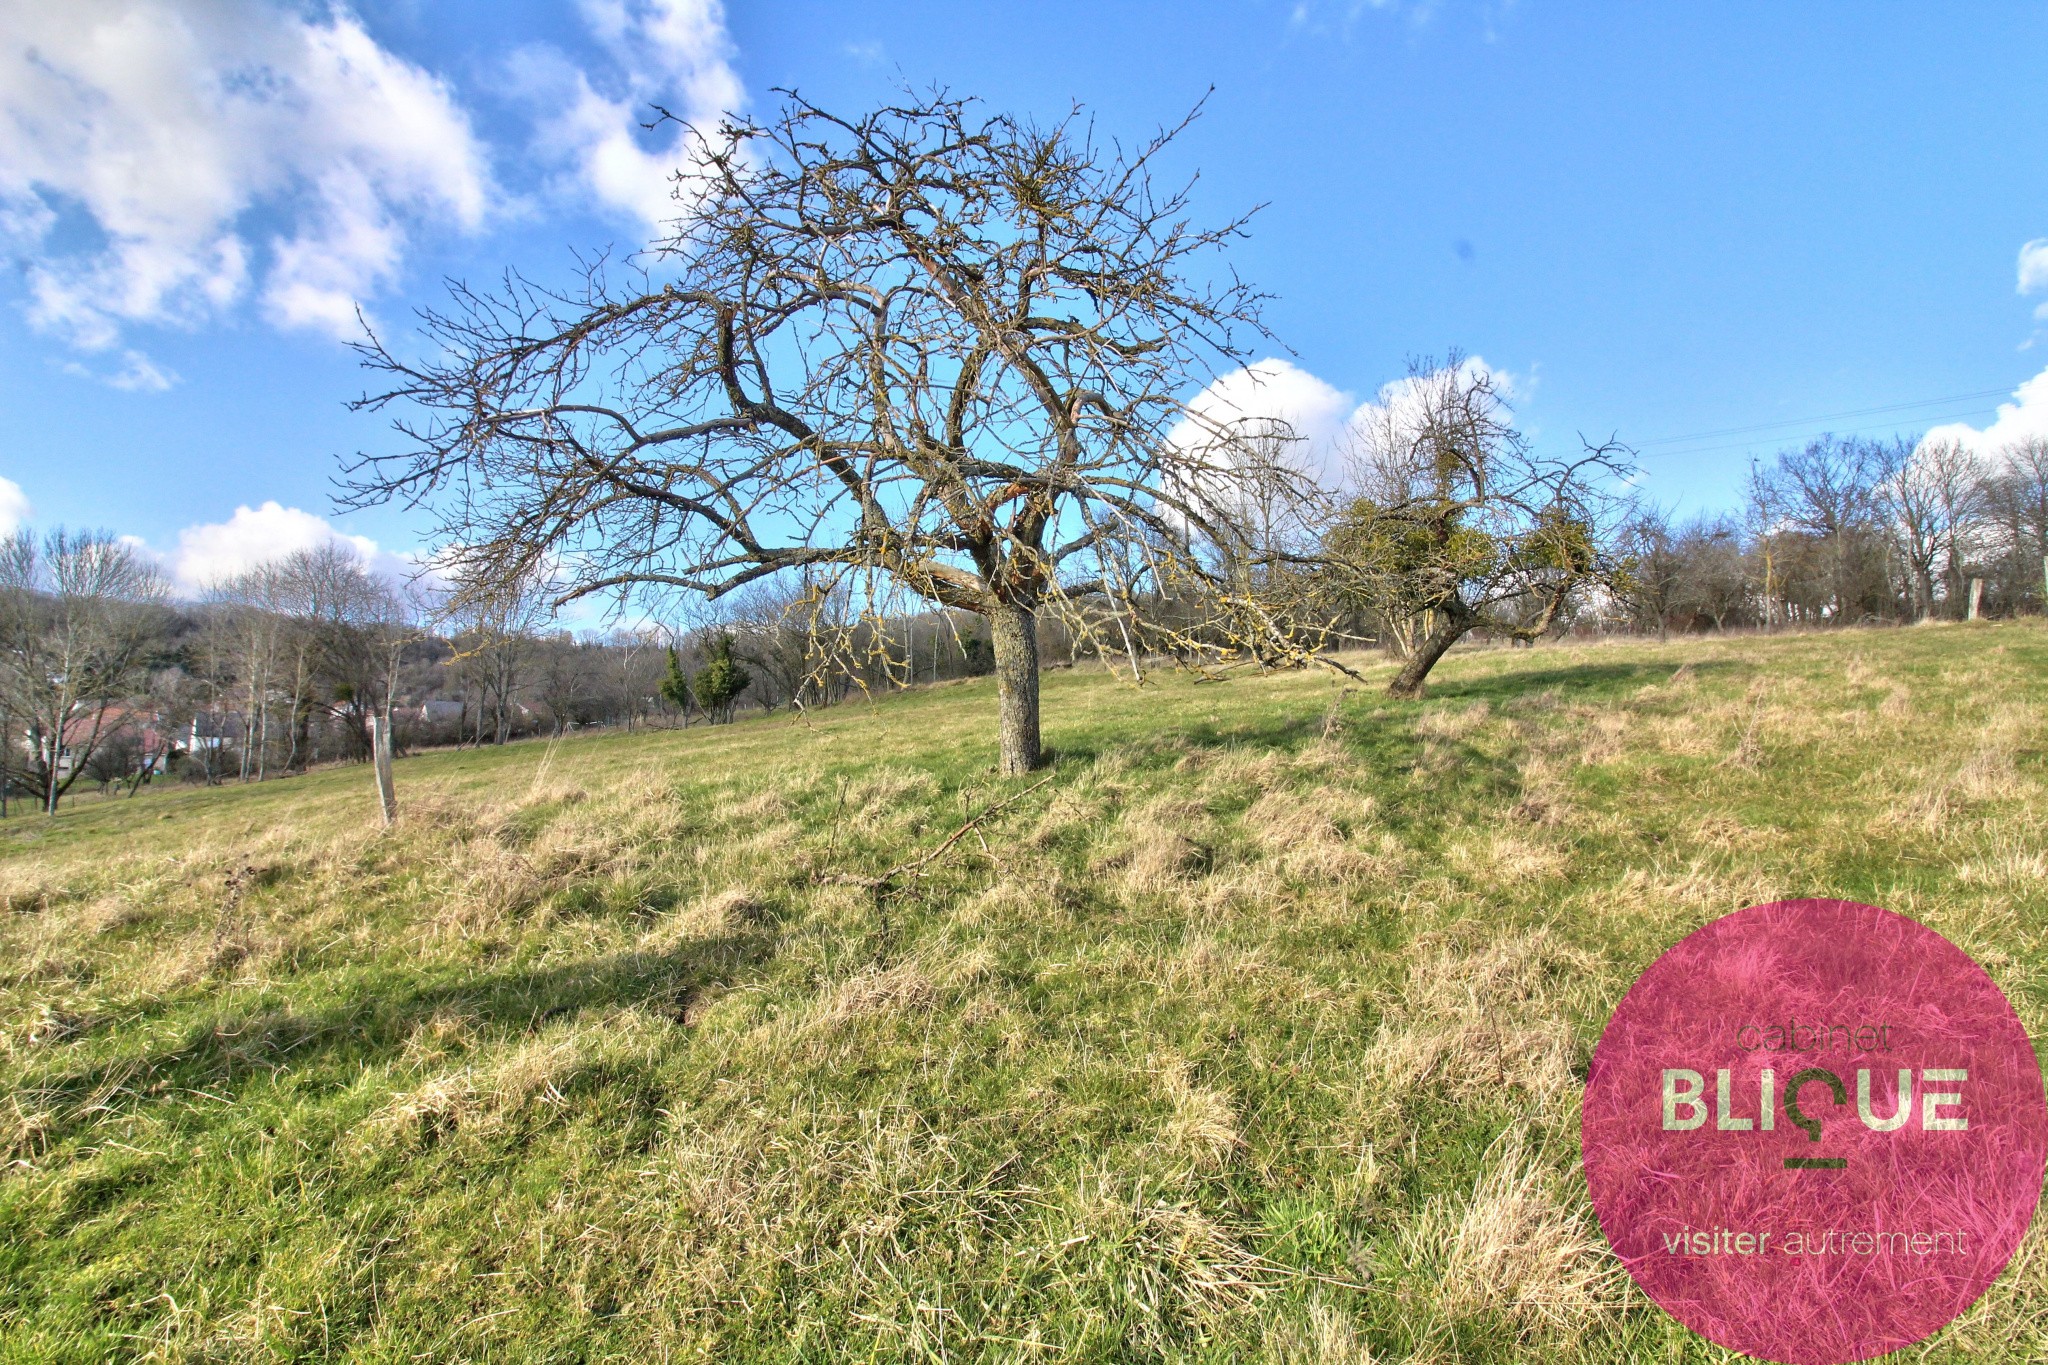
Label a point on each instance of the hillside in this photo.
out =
(1257, 1032)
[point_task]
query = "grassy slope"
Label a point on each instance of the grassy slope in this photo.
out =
(1253, 1035)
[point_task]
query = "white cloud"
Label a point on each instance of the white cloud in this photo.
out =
(2034, 265)
(2034, 271)
(1275, 390)
(140, 138)
(14, 507)
(671, 53)
(2025, 416)
(137, 374)
(1326, 420)
(213, 552)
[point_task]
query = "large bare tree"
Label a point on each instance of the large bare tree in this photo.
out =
(929, 345)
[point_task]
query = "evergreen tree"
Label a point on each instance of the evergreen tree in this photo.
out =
(719, 683)
(675, 685)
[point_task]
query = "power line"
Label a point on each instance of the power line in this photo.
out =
(1827, 417)
(1852, 431)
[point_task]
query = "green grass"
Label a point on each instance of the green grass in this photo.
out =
(1257, 1033)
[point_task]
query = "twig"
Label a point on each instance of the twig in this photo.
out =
(1336, 713)
(915, 867)
(1746, 754)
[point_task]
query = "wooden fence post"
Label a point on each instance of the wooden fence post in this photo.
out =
(380, 759)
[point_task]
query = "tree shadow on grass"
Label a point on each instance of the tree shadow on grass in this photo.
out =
(220, 1054)
(1415, 778)
(1580, 683)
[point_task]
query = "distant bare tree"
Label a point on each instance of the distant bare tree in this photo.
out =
(567, 679)
(76, 629)
(243, 646)
(1955, 483)
(1826, 493)
(1905, 500)
(1713, 581)
(2016, 494)
(927, 345)
(494, 633)
(777, 633)
(1655, 567)
(347, 625)
(635, 660)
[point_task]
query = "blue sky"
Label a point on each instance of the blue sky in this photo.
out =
(1658, 221)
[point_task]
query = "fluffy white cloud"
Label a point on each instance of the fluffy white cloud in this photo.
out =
(671, 53)
(1274, 390)
(2034, 270)
(1397, 408)
(14, 507)
(159, 159)
(2034, 265)
(208, 554)
(2026, 416)
(1326, 420)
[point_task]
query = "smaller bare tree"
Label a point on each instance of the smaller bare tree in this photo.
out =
(1460, 525)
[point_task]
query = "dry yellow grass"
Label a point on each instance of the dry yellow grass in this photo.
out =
(1515, 1250)
(1258, 1034)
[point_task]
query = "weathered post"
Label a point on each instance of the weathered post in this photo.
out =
(1976, 596)
(380, 759)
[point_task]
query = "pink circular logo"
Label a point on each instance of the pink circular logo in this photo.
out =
(1814, 1131)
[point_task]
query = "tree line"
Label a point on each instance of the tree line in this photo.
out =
(107, 680)
(1845, 531)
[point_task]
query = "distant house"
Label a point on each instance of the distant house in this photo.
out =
(216, 730)
(439, 711)
(114, 727)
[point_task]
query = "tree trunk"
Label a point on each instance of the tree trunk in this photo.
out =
(380, 763)
(1408, 682)
(1015, 635)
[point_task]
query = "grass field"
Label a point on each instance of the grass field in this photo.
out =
(1256, 1033)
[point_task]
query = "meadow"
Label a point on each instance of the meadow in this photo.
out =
(1253, 1029)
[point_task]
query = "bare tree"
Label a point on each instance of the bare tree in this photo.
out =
(242, 647)
(347, 627)
(566, 679)
(1905, 500)
(780, 635)
(1956, 491)
(928, 345)
(1655, 567)
(1826, 494)
(1713, 580)
(76, 631)
(2017, 494)
(1265, 595)
(1459, 525)
(493, 633)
